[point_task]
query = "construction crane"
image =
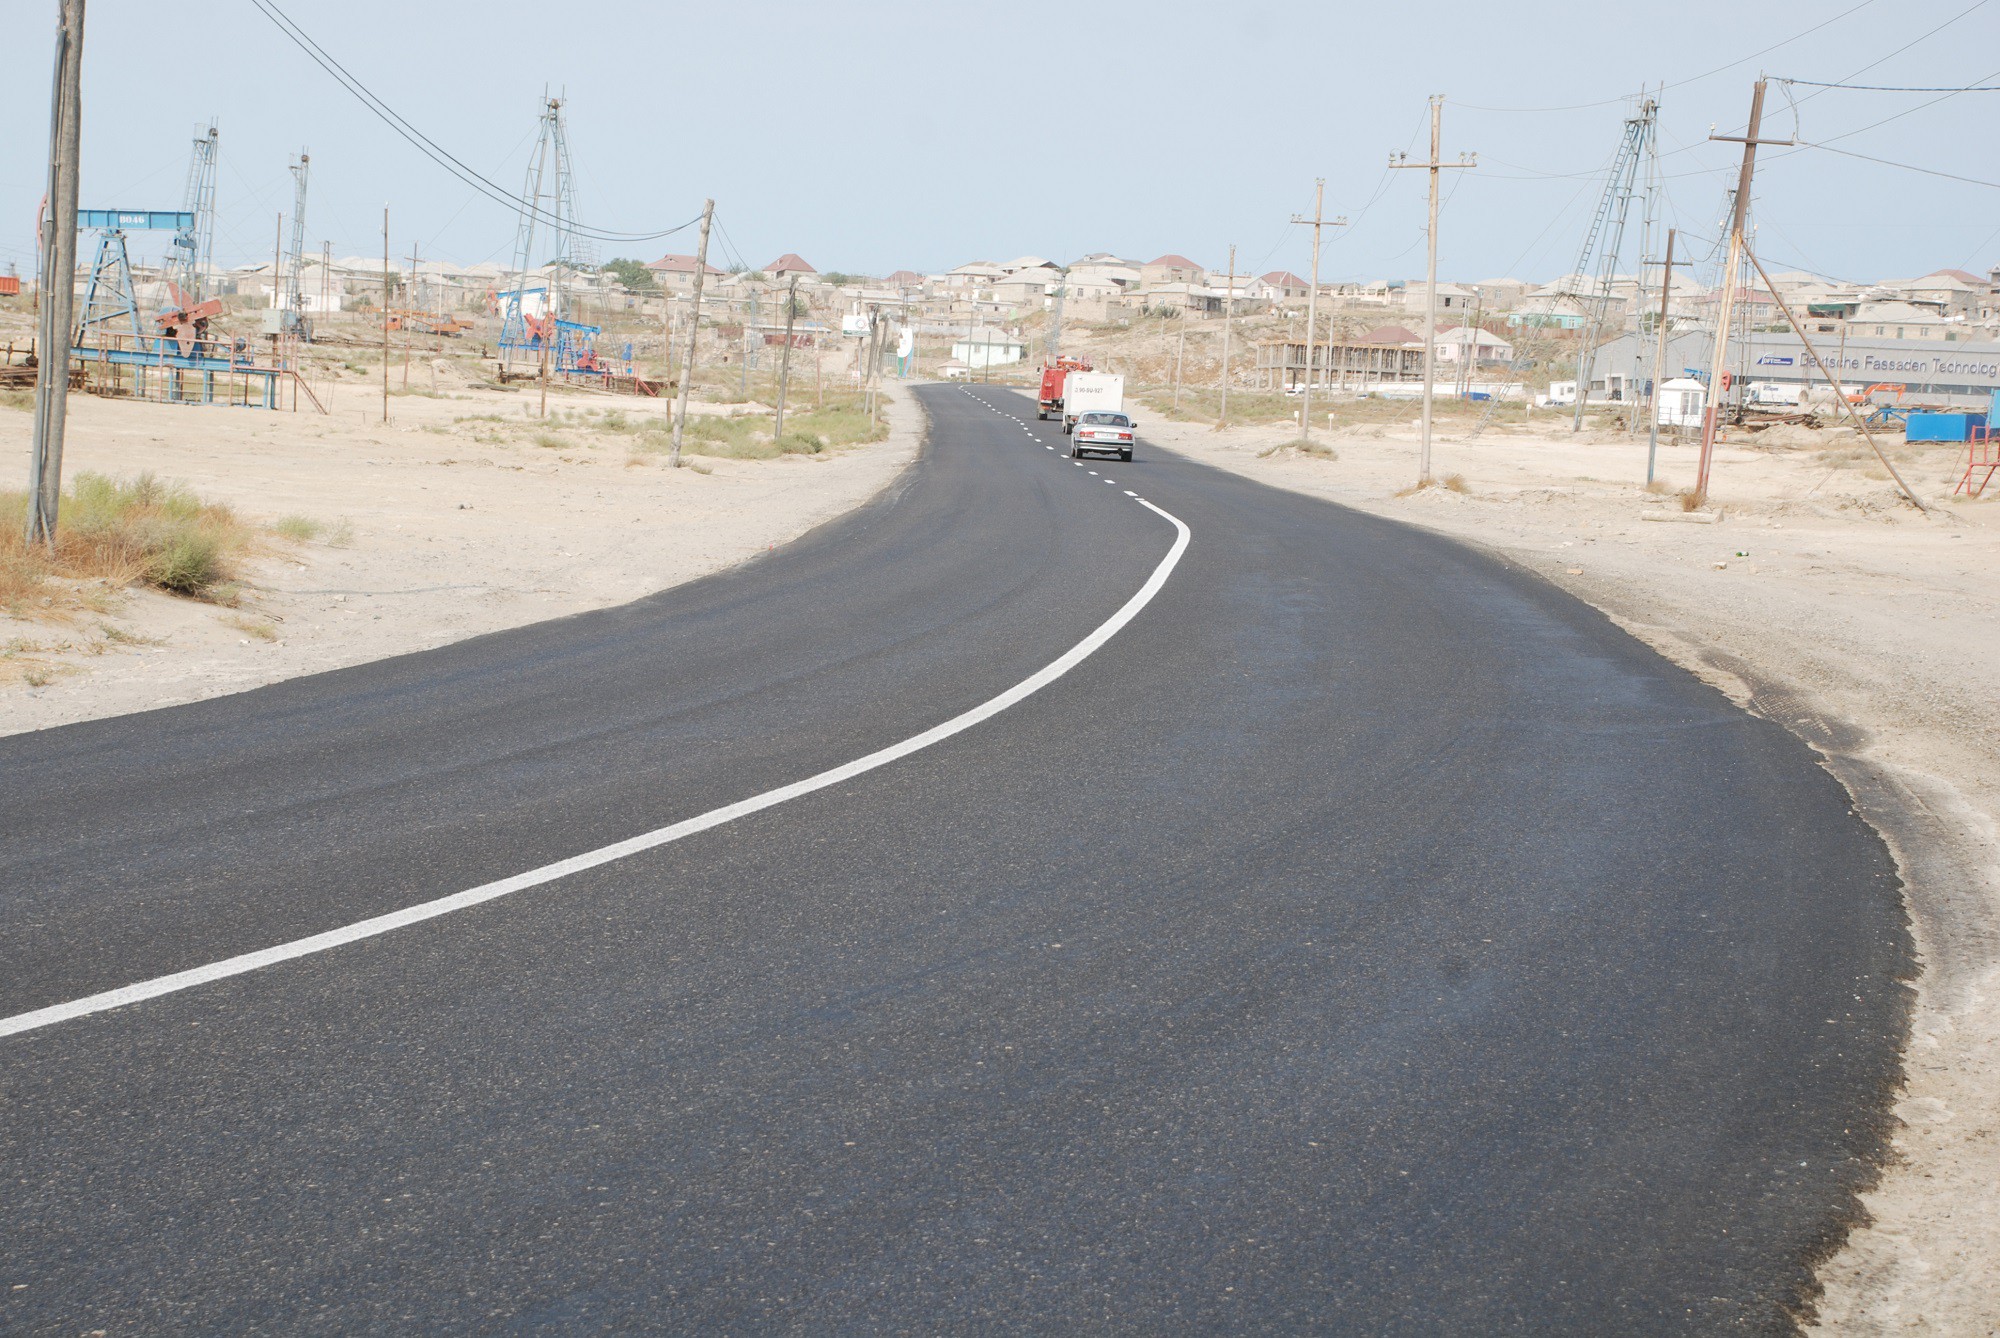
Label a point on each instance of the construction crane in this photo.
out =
(1602, 243)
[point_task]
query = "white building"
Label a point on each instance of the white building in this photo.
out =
(987, 348)
(1680, 402)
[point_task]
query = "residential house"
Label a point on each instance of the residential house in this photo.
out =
(1463, 345)
(1451, 299)
(1170, 269)
(1022, 263)
(1903, 320)
(1026, 289)
(1953, 291)
(676, 273)
(974, 274)
(788, 264)
(987, 348)
(1498, 295)
(1280, 288)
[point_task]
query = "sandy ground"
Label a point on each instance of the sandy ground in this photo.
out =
(1871, 631)
(445, 524)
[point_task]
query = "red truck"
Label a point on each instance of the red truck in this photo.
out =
(1049, 405)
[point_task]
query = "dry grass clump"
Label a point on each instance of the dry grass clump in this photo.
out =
(137, 531)
(1690, 499)
(302, 528)
(1302, 446)
(748, 436)
(24, 400)
(1450, 483)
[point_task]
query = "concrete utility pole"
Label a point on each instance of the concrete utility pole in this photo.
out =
(1180, 353)
(1228, 318)
(1725, 310)
(385, 311)
(58, 304)
(1312, 300)
(694, 328)
(1434, 166)
(1659, 360)
(785, 358)
(406, 324)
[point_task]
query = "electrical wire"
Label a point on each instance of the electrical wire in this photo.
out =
(1681, 83)
(1849, 134)
(431, 149)
(1896, 88)
(1923, 37)
(1907, 167)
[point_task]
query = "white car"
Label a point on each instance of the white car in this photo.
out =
(1100, 431)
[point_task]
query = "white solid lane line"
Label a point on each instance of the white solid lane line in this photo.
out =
(590, 859)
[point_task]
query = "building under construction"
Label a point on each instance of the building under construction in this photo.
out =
(1282, 363)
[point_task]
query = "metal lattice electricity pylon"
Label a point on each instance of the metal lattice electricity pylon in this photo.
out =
(191, 253)
(548, 209)
(1603, 243)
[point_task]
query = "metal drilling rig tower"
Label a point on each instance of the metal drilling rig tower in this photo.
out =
(295, 269)
(1604, 241)
(548, 207)
(192, 251)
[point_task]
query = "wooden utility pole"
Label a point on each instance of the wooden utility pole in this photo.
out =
(1228, 320)
(785, 358)
(385, 311)
(1725, 310)
(1659, 360)
(58, 304)
(1434, 166)
(1312, 303)
(694, 327)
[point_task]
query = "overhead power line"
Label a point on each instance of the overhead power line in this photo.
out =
(1897, 88)
(1681, 83)
(1907, 167)
(432, 149)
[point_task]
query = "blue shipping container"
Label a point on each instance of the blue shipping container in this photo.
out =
(1941, 426)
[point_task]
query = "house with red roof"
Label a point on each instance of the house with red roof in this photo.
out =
(676, 273)
(1171, 268)
(1279, 287)
(791, 262)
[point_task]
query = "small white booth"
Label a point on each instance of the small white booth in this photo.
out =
(1680, 402)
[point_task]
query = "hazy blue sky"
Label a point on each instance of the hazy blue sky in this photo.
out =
(874, 136)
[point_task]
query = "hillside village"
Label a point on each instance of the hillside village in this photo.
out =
(1511, 335)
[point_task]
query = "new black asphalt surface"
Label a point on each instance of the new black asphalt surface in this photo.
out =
(1369, 938)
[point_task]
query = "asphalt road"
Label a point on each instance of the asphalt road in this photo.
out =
(1367, 938)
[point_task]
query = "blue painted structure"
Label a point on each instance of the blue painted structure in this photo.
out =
(136, 220)
(1922, 426)
(149, 365)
